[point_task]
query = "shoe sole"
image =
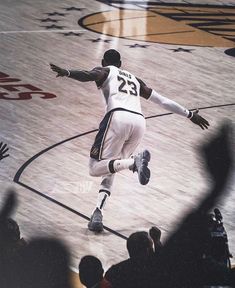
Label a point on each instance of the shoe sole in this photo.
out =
(144, 172)
(95, 226)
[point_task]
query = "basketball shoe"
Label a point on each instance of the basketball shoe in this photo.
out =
(95, 224)
(140, 166)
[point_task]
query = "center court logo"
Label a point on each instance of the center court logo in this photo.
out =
(197, 25)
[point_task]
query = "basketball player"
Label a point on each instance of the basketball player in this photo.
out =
(123, 126)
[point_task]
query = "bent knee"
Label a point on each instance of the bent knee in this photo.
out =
(93, 173)
(92, 169)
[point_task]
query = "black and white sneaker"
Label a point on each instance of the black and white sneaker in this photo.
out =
(141, 161)
(95, 224)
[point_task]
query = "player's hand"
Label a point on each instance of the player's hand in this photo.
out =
(60, 71)
(3, 150)
(199, 120)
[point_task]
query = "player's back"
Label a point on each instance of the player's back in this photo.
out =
(121, 89)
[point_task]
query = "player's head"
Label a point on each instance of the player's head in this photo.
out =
(139, 244)
(90, 270)
(111, 57)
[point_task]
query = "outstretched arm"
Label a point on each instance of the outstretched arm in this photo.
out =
(171, 105)
(97, 74)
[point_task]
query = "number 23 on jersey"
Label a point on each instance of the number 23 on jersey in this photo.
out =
(127, 86)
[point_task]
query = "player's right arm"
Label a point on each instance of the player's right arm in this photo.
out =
(171, 105)
(98, 74)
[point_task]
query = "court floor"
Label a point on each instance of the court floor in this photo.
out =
(183, 49)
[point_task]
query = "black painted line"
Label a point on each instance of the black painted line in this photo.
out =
(165, 33)
(152, 3)
(202, 14)
(68, 208)
(22, 168)
(199, 108)
(226, 36)
(215, 21)
(231, 38)
(211, 24)
(218, 29)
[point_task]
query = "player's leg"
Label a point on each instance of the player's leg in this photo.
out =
(134, 133)
(98, 168)
(105, 190)
(132, 127)
(120, 129)
(108, 144)
(96, 224)
(142, 159)
(124, 130)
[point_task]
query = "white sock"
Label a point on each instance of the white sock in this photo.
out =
(102, 198)
(122, 164)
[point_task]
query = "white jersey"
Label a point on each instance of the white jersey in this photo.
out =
(121, 89)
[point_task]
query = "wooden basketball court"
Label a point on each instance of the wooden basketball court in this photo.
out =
(49, 123)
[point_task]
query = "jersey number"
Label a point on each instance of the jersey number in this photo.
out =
(132, 88)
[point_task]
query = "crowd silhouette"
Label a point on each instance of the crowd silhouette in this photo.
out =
(195, 255)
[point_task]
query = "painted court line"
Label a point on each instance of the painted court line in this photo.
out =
(41, 31)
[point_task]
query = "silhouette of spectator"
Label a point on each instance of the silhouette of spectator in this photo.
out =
(44, 263)
(91, 272)
(9, 235)
(135, 271)
(12, 239)
(3, 150)
(216, 263)
(179, 262)
(232, 277)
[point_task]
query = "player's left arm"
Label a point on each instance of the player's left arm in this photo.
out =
(171, 105)
(97, 74)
